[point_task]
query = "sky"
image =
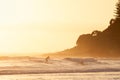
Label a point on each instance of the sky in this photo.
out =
(42, 26)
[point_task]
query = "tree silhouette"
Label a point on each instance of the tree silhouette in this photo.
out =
(118, 10)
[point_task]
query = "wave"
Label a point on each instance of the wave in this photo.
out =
(79, 60)
(66, 65)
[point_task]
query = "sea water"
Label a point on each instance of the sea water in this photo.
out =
(60, 69)
(64, 76)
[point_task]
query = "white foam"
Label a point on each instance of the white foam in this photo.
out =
(58, 65)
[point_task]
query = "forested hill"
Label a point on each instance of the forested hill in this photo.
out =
(104, 43)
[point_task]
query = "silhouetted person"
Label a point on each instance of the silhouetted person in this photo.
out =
(47, 59)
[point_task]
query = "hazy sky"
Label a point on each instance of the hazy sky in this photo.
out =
(28, 26)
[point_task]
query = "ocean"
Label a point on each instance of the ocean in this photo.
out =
(64, 76)
(59, 69)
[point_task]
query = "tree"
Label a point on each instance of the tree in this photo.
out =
(118, 9)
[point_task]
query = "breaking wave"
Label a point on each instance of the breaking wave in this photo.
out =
(66, 65)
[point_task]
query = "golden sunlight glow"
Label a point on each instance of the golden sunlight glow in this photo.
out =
(28, 26)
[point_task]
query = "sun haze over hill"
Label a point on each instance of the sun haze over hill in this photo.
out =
(40, 26)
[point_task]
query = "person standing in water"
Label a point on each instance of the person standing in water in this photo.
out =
(47, 59)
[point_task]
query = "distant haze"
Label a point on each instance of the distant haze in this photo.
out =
(40, 26)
